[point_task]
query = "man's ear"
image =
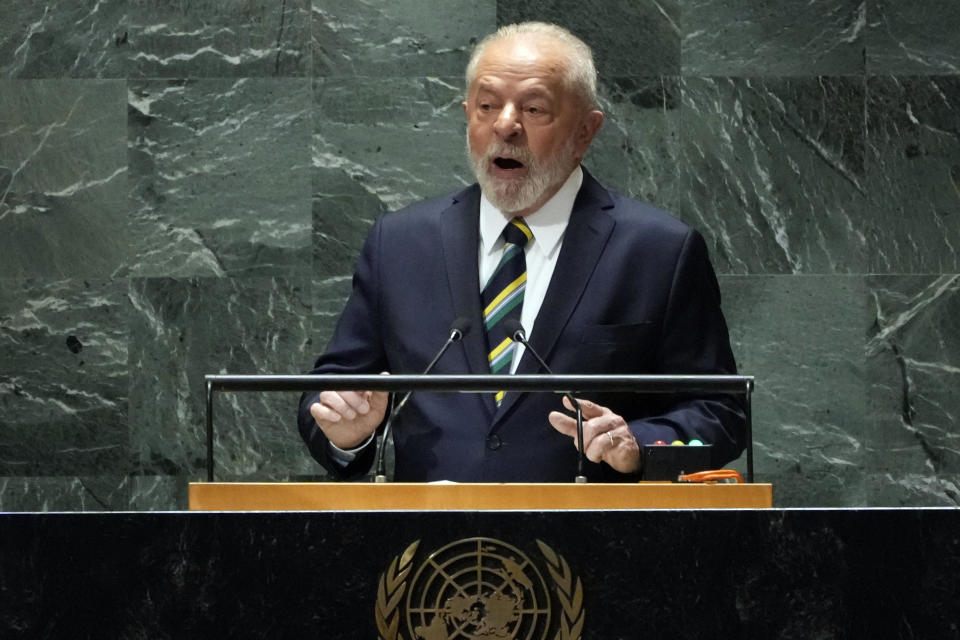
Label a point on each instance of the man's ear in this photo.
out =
(589, 126)
(464, 105)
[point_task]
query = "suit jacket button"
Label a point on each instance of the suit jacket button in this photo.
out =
(493, 442)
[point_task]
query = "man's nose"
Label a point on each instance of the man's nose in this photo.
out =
(508, 124)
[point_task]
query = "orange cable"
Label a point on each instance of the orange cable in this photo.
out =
(712, 476)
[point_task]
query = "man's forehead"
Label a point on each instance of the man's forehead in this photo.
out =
(534, 55)
(530, 86)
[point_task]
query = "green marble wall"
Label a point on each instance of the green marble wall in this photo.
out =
(184, 186)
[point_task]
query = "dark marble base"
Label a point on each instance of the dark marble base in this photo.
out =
(648, 574)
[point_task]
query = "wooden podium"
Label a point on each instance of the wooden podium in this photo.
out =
(400, 496)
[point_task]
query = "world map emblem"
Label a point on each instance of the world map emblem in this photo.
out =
(479, 588)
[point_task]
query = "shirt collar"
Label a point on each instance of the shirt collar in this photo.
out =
(547, 223)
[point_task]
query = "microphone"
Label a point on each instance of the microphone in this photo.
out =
(515, 330)
(458, 329)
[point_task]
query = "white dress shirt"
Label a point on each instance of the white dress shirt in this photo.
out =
(548, 224)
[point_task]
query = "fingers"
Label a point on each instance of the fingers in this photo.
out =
(349, 405)
(564, 424)
(604, 442)
(606, 435)
(587, 408)
(337, 405)
(347, 418)
(379, 400)
(617, 447)
(603, 420)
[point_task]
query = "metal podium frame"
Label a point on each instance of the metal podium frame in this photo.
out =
(484, 383)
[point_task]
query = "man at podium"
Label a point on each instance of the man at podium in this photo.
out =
(600, 284)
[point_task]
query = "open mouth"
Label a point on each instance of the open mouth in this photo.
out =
(507, 163)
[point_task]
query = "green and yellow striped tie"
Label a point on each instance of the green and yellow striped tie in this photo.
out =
(502, 296)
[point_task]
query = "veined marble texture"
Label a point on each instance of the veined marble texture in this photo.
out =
(210, 38)
(63, 378)
(220, 176)
(635, 152)
(746, 37)
(71, 493)
(773, 172)
(913, 195)
(913, 37)
(398, 140)
(801, 337)
(63, 171)
(390, 38)
(628, 37)
(913, 353)
(147, 38)
(62, 38)
(183, 329)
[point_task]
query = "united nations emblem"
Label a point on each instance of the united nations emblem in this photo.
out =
(478, 588)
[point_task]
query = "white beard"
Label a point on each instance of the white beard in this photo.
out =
(511, 196)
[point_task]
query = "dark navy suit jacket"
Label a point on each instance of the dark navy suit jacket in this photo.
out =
(632, 292)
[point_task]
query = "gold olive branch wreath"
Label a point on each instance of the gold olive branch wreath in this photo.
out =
(393, 585)
(569, 592)
(390, 591)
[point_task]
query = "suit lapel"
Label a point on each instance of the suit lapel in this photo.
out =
(583, 243)
(460, 237)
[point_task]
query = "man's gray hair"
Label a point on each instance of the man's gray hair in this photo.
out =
(580, 72)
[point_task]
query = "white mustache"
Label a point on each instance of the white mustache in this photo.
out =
(501, 150)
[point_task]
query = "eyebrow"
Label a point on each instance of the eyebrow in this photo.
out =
(485, 86)
(532, 92)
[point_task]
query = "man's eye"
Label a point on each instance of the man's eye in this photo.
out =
(485, 107)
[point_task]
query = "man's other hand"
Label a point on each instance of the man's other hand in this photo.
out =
(606, 435)
(348, 418)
